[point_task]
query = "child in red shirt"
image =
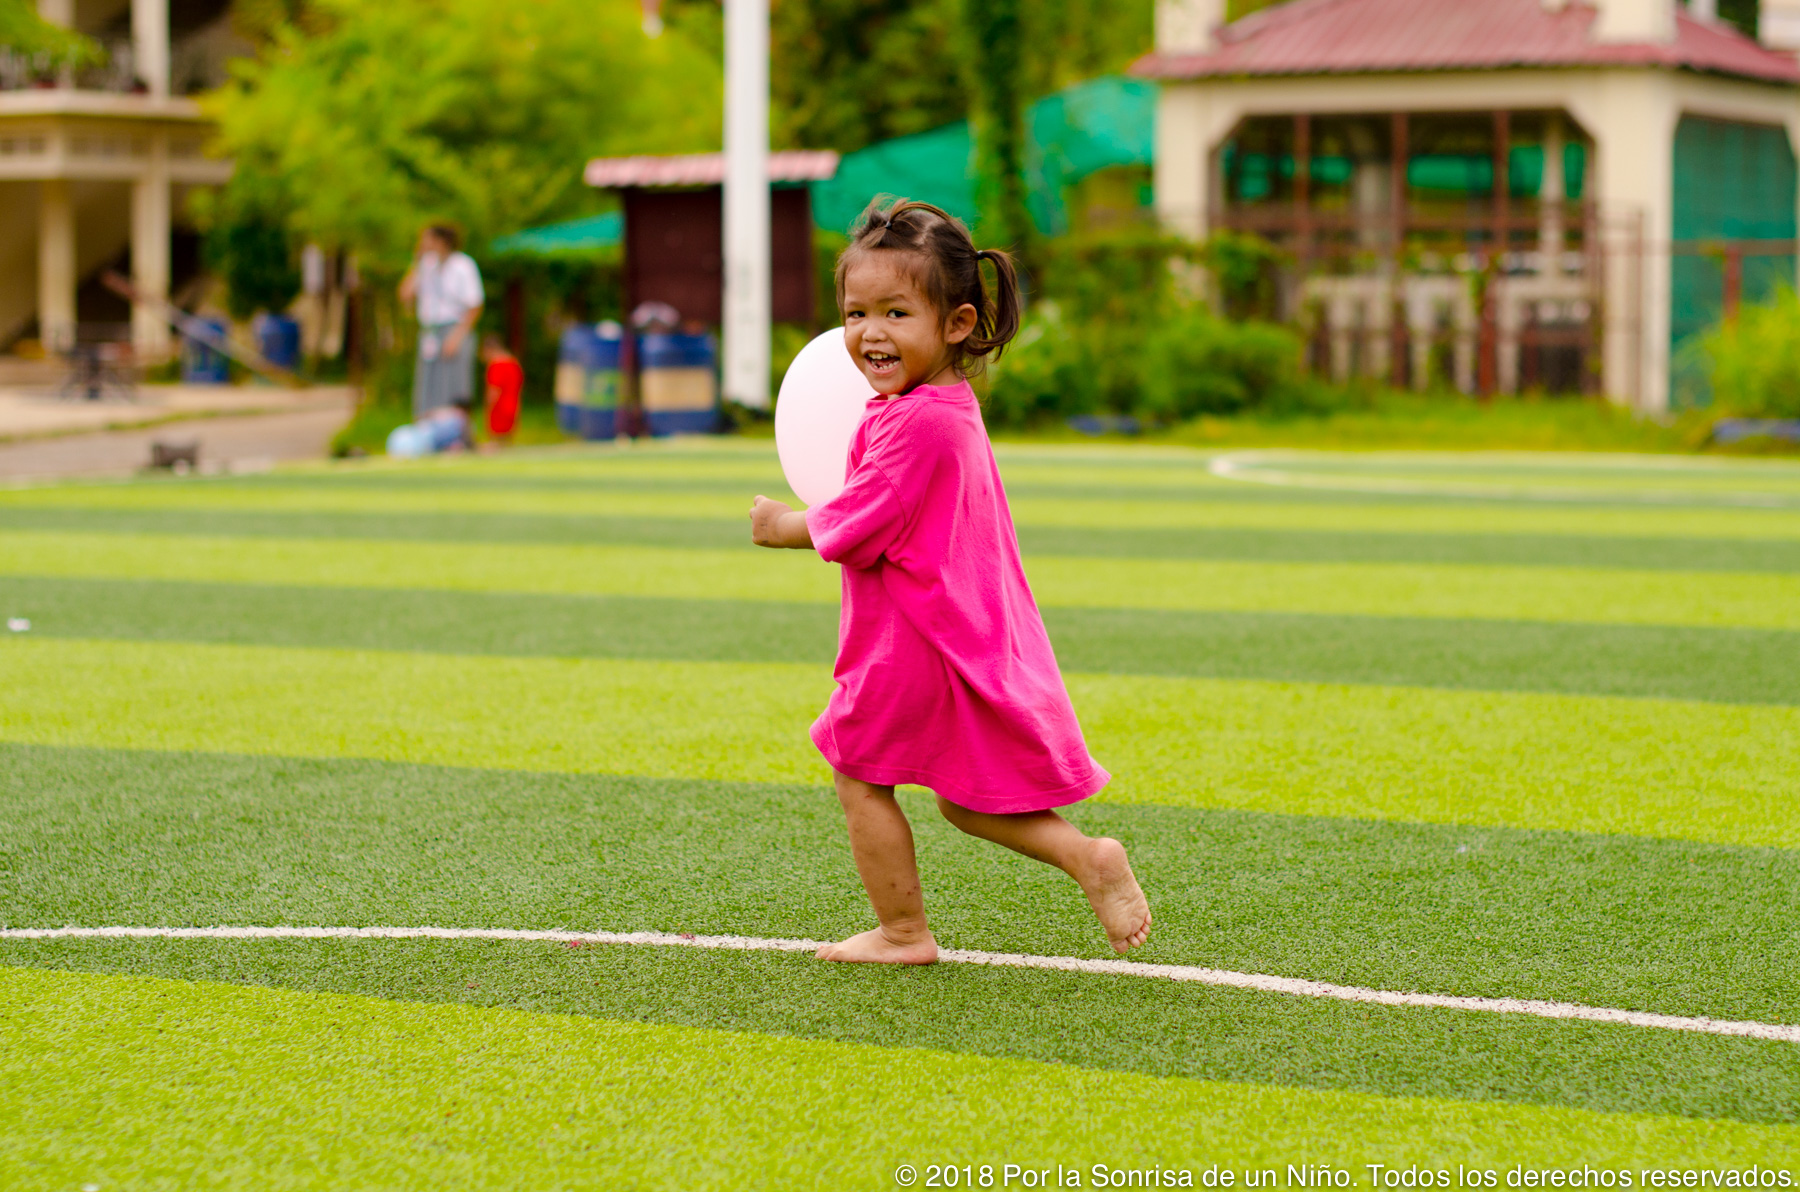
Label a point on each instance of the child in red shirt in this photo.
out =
(505, 383)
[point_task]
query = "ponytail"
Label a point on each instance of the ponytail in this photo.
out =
(996, 326)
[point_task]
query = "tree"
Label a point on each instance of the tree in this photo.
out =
(24, 32)
(1741, 13)
(996, 42)
(362, 121)
(251, 249)
(1067, 41)
(847, 73)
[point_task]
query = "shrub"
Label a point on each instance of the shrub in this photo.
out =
(1195, 363)
(1123, 274)
(251, 249)
(1169, 366)
(1245, 268)
(1754, 359)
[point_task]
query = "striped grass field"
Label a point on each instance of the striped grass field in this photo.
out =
(1510, 727)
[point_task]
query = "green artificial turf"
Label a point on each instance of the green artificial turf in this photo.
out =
(1726, 665)
(1594, 595)
(1660, 479)
(1124, 1025)
(1392, 420)
(1679, 769)
(1287, 545)
(102, 837)
(1277, 545)
(474, 528)
(1401, 729)
(700, 494)
(142, 1083)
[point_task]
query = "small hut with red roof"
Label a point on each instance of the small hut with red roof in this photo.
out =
(1496, 194)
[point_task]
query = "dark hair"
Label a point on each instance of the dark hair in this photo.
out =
(947, 265)
(450, 236)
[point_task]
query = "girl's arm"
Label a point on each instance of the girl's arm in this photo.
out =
(778, 525)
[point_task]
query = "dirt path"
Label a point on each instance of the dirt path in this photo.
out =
(237, 442)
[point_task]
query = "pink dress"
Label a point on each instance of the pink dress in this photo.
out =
(945, 676)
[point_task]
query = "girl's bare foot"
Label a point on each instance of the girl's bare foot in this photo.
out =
(1115, 895)
(876, 947)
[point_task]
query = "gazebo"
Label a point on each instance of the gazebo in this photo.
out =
(1497, 195)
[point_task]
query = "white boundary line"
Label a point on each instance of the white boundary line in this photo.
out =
(1251, 467)
(1292, 986)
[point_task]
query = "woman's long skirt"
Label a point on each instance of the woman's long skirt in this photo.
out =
(440, 380)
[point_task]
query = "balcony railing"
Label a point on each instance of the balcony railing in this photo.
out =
(196, 65)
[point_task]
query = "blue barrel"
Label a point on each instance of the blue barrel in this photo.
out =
(573, 353)
(605, 371)
(676, 351)
(678, 378)
(588, 377)
(201, 362)
(568, 418)
(278, 340)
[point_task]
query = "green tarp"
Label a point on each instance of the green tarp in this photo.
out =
(1454, 174)
(577, 235)
(930, 166)
(1091, 126)
(1732, 182)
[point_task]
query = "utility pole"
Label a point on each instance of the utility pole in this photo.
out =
(748, 283)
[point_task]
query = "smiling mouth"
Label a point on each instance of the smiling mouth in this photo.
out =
(881, 364)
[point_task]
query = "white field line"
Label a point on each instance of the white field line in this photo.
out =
(1253, 468)
(1292, 986)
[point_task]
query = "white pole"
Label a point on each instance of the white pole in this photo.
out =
(150, 45)
(747, 269)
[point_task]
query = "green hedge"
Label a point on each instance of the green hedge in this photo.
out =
(1180, 364)
(1118, 329)
(1754, 359)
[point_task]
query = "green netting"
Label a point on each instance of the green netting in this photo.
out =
(930, 166)
(1254, 174)
(1080, 130)
(1732, 182)
(1473, 174)
(1091, 126)
(577, 235)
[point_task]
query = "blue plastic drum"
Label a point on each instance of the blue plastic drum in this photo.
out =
(588, 380)
(678, 377)
(201, 362)
(278, 340)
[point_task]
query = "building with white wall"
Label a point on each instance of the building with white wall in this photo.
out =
(1608, 151)
(96, 165)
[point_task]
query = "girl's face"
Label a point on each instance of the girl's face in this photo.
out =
(893, 332)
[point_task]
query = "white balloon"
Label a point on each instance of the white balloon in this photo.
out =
(822, 400)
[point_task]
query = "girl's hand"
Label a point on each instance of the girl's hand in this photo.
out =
(775, 524)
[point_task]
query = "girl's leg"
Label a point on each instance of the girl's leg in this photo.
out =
(881, 841)
(1098, 864)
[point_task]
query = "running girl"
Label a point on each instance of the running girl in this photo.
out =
(945, 675)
